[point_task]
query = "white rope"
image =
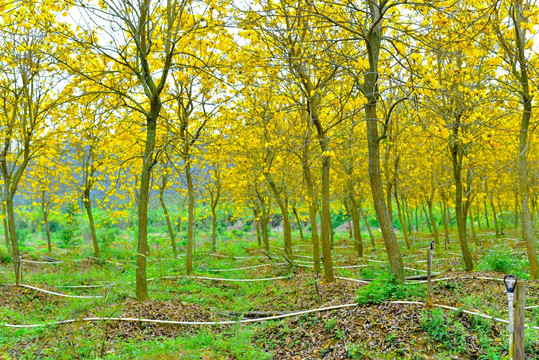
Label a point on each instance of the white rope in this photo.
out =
(170, 322)
(41, 262)
(354, 280)
(350, 266)
(236, 280)
(245, 268)
(532, 307)
(60, 294)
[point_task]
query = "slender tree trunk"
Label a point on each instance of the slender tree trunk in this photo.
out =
(392, 247)
(257, 225)
(214, 229)
(264, 230)
(486, 212)
(427, 219)
(416, 220)
(502, 224)
(444, 219)
(516, 211)
(14, 242)
(312, 211)
(190, 216)
(348, 219)
(403, 224)
(169, 225)
(47, 229)
(358, 242)
(457, 156)
(91, 223)
(434, 227)
(326, 216)
(142, 211)
(283, 206)
(475, 238)
(478, 216)
(524, 141)
(6, 229)
(298, 221)
(494, 215)
(369, 230)
(408, 217)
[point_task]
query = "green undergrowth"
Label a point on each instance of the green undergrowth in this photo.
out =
(385, 288)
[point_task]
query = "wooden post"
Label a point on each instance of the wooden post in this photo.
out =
(517, 350)
(429, 283)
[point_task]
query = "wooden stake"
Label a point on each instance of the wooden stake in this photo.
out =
(517, 350)
(429, 275)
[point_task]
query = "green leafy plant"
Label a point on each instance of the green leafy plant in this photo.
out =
(444, 330)
(382, 289)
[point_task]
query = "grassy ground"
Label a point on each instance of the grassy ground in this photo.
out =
(374, 329)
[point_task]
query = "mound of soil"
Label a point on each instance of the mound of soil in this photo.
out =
(157, 310)
(359, 332)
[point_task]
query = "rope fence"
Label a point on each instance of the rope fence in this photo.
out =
(245, 321)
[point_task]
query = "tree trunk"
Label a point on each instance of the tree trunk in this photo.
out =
(298, 221)
(516, 211)
(14, 242)
(142, 237)
(416, 219)
(494, 215)
(283, 206)
(408, 217)
(444, 219)
(358, 242)
(312, 208)
(6, 229)
(214, 230)
(427, 219)
(169, 224)
(264, 230)
(258, 237)
(434, 227)
(392, 247)
(47, 231)
(461, 210)
(486, 211)
(475, 238)
(369, 230)
(524, 142)
(88, 206)
(502, 224)
(403, 224)
(190, 216)
(348, 219)
(326, 216)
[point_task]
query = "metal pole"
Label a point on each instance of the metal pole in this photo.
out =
(510, 327)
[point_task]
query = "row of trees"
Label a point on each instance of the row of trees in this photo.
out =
(297, 105)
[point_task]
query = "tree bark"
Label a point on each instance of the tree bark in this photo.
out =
(88, 206)
(427, 219)
(282, 201)
(326, 216)
(190, 215)
(6, 229)
(457, 154)
(431, 215)
(298, 221)
(401, 220)
(144, 194)
(169, 223)
(369, 230)
(444, 219)
(312, 206)
(472, 225)
(358, 242)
